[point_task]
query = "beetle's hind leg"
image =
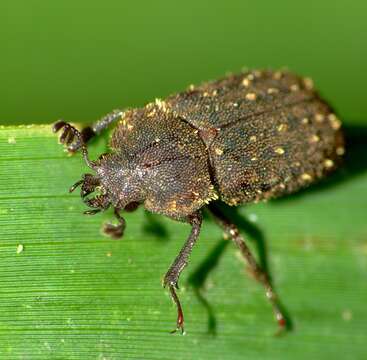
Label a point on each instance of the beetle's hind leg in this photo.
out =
(173, 273)
(232, 231)
(91, 131)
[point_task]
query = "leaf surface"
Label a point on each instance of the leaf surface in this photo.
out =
(68, 292)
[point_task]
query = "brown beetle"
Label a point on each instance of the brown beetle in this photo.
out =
(244, 138)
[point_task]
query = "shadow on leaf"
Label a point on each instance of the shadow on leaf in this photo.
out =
(198, 278)
(153, 226)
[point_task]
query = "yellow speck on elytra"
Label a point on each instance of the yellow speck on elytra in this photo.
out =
(306, 177)
(328, 163)
(251, 96)
(279, 151)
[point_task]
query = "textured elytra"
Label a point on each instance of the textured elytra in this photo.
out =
(265, 133)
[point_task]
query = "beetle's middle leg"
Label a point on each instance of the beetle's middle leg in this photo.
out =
(173, 273)
(232, 231)
(96, 128)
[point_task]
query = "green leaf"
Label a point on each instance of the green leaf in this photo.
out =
(68, 292)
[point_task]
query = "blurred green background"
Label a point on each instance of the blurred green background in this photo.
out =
(80, 59)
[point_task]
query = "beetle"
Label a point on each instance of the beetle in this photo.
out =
(244, 138)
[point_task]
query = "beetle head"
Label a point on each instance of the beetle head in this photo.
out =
(89, 184)
(119, 179)
(116, 183)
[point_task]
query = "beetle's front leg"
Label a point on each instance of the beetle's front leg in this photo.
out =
(173, 273)
(115, 231)
(88, 132)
